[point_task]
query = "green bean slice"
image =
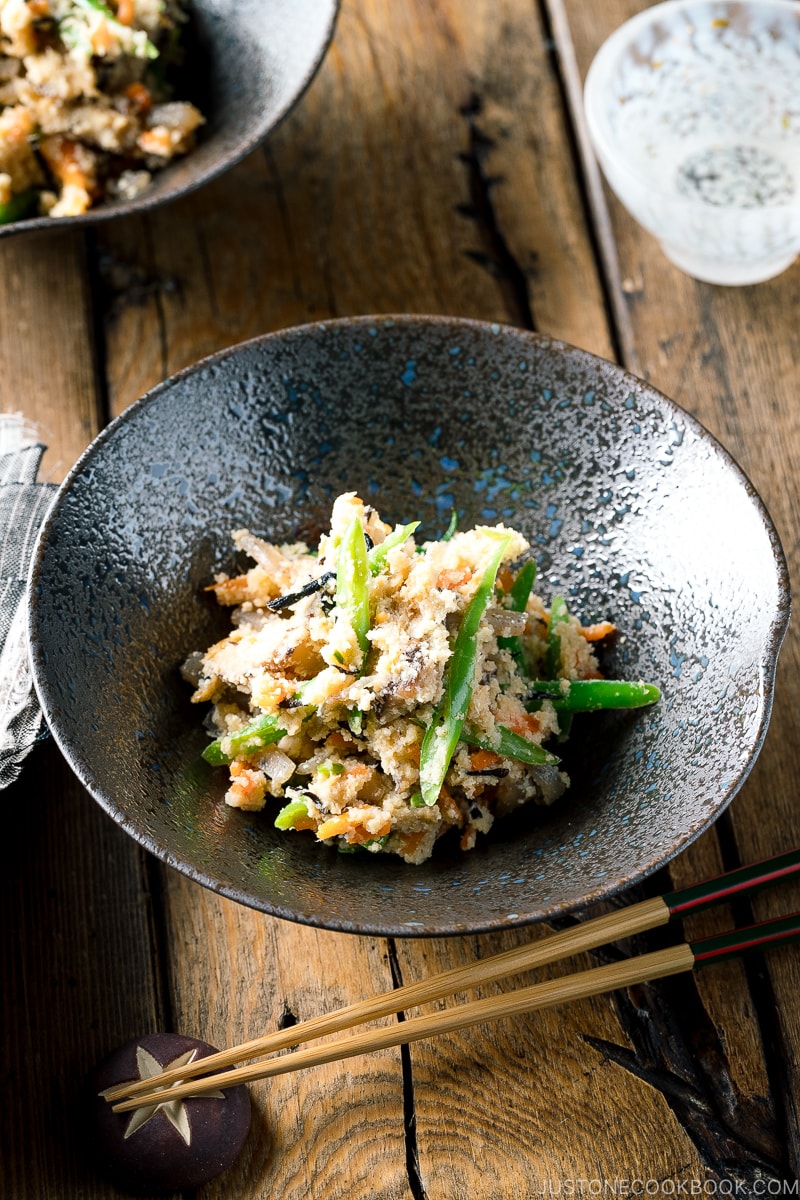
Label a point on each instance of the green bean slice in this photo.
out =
(559, 615)
(590, 695)
(518, 601)
(352, 576)
(443, 733)
(510, 745)
(376, 557)
(18, 207)
(290, 813)
(261, 732)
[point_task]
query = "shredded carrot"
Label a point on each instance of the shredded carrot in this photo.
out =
(156, 141)
(61, 156)
(348, 825)
(19, 125)
(101, 39)
(338, 742)
(505, 578)
(450, 580)
(449, 809)
(304, 823)
(334, 826)
(481, 760)
(247, 787)
(230, 591)
(140, 97)
(468, 838)
(360, 834)
(126, 11)
(596, 633)
(524, 724)
(411, 842)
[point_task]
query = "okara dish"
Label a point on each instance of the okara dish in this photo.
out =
(86, 108)
(388, 692)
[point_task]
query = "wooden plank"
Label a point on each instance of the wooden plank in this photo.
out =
(717, 352)
(335, 1131)
(331, 219)
(46, 337)
(528, 203)
(377, 195)
(77, 974)
(530, 1102)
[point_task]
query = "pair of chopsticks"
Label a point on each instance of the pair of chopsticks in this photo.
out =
(183, 1081)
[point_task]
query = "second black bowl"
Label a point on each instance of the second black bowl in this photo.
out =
(247, 64)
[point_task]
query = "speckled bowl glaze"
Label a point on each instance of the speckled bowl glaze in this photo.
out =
(632, 509)
(247, 64)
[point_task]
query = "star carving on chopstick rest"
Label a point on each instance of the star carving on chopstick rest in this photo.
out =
(174, 1110)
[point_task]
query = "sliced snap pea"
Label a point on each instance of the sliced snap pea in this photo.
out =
(291, 813)
(376, 557)
(355, 720)
(19, 206)
(559, 615)
(263, 731)
(522, 586)
(510, 745)
(352, 576)
(590, 695)
(443, 733)
(451, 528)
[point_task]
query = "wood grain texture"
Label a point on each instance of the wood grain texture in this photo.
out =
(722, 354)
(46, 334)
(432, 168)
(532, 1103)
(332, 219)
(334, 1131)
(75, 889)
(77, 975)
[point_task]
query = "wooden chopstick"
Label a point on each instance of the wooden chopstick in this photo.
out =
(635, 919)
(657, 965)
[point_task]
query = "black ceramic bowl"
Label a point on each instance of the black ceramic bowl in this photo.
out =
(632, 509)
(247, 64)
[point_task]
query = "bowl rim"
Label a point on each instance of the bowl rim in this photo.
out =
(597, 81)
(146, 202)
(604, 889)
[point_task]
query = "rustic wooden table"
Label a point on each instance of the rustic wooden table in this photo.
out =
(438, 164)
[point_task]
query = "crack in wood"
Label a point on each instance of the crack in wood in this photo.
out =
(494, 255)
(153, 889)
(287, 1019)
(97, 310)
(118, 285)
(409, 1106)
(720, 1148)
(283, 209)
(677, 1049)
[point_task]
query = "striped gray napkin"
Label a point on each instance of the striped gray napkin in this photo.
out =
(23, 507)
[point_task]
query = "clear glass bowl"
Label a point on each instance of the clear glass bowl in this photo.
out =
(693, 109)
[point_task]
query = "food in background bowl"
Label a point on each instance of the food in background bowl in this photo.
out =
(87, 111)
(391, 692)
